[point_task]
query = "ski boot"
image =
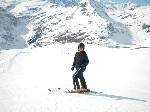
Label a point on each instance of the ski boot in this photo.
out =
(82, 90)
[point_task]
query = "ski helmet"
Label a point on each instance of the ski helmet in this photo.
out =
(81, 45)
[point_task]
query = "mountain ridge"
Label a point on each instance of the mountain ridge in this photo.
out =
(93, 22)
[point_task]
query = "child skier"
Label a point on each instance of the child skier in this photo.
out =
(80, 62)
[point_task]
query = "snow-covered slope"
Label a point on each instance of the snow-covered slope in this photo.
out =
(112, 6)
(26, 74)
(121, 74)
(42, 23)
(12, 30)
(133, 16)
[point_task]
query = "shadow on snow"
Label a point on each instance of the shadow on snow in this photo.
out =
(116, 97)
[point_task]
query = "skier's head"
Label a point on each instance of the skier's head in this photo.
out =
(81, 47)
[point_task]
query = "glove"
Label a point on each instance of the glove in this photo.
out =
(72, 68)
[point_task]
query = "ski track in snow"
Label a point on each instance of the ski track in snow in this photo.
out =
(5, 61)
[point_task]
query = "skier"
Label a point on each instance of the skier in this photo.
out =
(80, 62)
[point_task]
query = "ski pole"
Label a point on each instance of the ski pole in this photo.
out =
(76, 72)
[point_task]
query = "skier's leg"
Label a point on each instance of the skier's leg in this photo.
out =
(76, 83)
(82, 80)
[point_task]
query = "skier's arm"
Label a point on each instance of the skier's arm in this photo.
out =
(74, 61)
(86, 61)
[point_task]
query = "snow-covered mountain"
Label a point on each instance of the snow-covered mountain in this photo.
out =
(135, 17)
(119, 76)
(11, 35)
(45, 22)
(112, 6)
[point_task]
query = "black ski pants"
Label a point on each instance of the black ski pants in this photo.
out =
(80, 76)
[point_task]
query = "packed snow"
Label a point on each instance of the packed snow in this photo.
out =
(121, 74)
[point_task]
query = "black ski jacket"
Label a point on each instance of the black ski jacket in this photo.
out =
(80, 60)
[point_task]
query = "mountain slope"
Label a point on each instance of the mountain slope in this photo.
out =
(41, 23)
(133, 16)
(11, 34)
